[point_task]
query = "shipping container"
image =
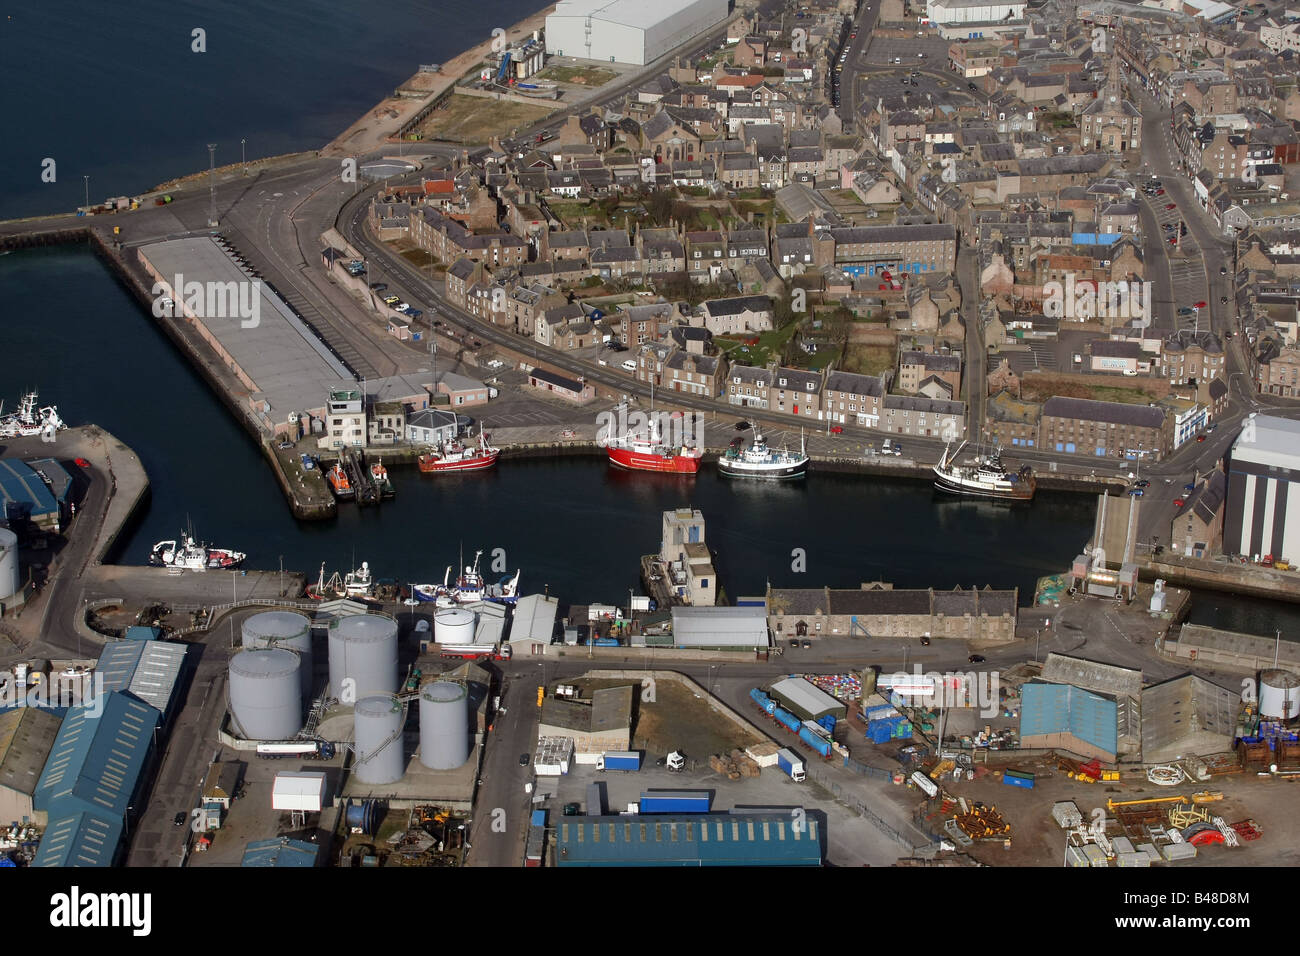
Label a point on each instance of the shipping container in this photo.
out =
(1025, 782)
(676, 801)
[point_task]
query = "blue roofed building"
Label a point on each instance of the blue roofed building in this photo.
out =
(1063, 717)
(720, 839)
(146, 669)
(280, 851)
(139, 633)
(96, 762)
(81, 839)
(55, 476)
(26, 497)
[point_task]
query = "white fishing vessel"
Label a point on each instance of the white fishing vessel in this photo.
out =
(31, 420)
(984, 477)
(761, 461)
(188, 554)
(468, 588)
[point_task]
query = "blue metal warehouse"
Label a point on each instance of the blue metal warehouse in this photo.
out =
(733, 839)
(24, 495)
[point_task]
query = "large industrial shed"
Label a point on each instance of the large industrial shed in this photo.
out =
(720, 628)
(736, 839)
(1187, 715)
(627, 31)
(1063, 717)
(27, 735)
(24, 496)
(603, 725)
(807, 700)
(147, 670)
(95, 771)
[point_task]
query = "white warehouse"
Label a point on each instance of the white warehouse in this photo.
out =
(627, 31)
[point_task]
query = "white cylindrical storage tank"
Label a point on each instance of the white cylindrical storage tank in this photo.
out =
(10, 582)
(363, 649)
(286, 630)
(444, 725)
(377, 734)
(1279, 695)
(265, 695)
(454, 626)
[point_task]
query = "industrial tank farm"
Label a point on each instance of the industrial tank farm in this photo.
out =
(363, 651)
(286, 630)
(265, 694)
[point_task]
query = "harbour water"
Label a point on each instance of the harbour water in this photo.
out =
(287, 78)
(132, 105)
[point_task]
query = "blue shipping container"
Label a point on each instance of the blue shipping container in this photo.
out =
(675, 802)
(539, 818)
(827, 721)
(1018, 782)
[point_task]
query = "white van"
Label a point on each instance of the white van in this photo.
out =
(629, 365)
(886, 447)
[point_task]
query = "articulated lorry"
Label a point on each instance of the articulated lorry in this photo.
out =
(791, 764)
(306, 749)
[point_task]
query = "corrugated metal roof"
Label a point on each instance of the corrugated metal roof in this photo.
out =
(147, 669)
(534, 618)
(749, 839)
(280, 852)
(26, 736)
(1062, 709)
(22, 491)
(81, 839)
(720, 627)
(97, 757)
(809, 698)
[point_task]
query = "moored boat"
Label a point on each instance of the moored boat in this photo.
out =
(455, 455)
(984, 477)
(761, 461)
(188, 554)
(647, 451)
(338, 481)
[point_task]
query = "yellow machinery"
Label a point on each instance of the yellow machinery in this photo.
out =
(1112, 804)
(1207, 796)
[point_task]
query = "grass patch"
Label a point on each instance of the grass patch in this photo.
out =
(580, 75)
(868, 359)
(1037, 388)
(472, 119)
(821, 358)
(770, 346)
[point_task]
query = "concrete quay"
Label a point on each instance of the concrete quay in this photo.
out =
(1222, 575)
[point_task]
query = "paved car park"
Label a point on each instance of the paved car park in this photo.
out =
(885, 49)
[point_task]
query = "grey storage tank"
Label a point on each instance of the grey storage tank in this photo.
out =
(377, 734)
(287, 630)
(363, 650)
(265, 694)
(444, 725)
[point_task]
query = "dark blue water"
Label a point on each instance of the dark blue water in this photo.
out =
(114, 91)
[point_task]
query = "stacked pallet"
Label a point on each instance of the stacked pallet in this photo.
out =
(747, 766)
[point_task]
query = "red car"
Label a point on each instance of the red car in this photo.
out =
(1173, 240)
(836, 430)
(1179, 502)
(1200, 438)
(1199, 305)
(1171, 205)
(1160, 192)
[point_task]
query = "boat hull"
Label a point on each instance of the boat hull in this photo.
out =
(644, 461)
(477, 463)
(948, 486)
(734, 469)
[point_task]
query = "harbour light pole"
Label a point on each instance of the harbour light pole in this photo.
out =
(87, 179)
(243, 156)
(212, 185)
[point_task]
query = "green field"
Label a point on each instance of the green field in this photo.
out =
(868, 359)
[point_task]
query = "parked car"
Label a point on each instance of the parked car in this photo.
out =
(898, 451)
(1223, 270)
(1200, 305)
(1185, 311)
(1188, 488)
(1171, 205)
(1136, 492)
(1200, 438)
(794, 642)
(972, 86)
(1179, 502)
(807, 643)
(925, 640)
(378, 286)
(179, 819)
(307, 463)
(976, 659)
(836, 430)
(392, 299)
(742, 425)
(1141, 483)
(523, 760)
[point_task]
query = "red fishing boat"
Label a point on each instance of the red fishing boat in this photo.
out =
(457, 456)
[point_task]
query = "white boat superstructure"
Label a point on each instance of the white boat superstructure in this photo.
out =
(31, 420)
(984, 477)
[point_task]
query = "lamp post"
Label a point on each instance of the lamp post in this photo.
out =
(281, 575)
(87, 179)
(243, 156)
